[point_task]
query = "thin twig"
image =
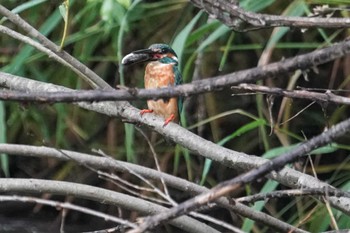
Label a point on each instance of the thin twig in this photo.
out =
(298, 113)
(114, 179)
(141, 177)
(66, 205)
(293, 193)
(155, 157)
(327, 97)
(166, 195)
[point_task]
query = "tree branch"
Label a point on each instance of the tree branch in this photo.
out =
(277, 69)
(197, 145)
(38, 186)
(137, 94)
(66, 205)
(226, 187)
(83, 71)
(293, 193)
(239, 19)
(121, 166)
(327, 97)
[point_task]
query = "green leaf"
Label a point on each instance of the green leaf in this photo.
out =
(125, 3)
(122, 29)
(226, 51)
(106, 9)
(206, 169)
(337, 2)
(3, 157)
(244, 129)
(218, 33)
(16, 66)
(111, 11)
(202, 31)
(130, 142)
(63, 11)
(280, 150)
(320, 221)
(179, 42)
(255, 5)
(269, 186)
(294, 9)
(24, 6)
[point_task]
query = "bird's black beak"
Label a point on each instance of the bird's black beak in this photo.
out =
(139, 56)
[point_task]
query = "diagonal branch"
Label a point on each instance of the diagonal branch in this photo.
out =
(40, 47)
(83, 71)
(226, 187)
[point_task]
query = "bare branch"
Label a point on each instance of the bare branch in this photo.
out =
(83, 71)
(175, 182)
(226, 187)
(100, 195)
(193, 142)
(293, 193)
(127, 186)
(277, 69)
(43, 49)
(66, 205)
(239, 19)
(327, 97)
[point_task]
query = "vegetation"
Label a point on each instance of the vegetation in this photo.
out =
(247, 121)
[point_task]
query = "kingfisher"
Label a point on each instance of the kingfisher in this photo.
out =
(161, 71)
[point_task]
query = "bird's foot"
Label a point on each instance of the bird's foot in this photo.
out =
(171, 118)
(143, 111)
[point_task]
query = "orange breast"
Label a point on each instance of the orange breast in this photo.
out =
(161, 75)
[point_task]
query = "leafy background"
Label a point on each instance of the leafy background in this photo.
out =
(100, 32)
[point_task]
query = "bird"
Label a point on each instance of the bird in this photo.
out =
(161, 71)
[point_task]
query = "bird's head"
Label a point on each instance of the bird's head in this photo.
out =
(156, 52)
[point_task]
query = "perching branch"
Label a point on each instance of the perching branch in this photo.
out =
(278, 69)
(136, 94)
(178, 134)
(235, 17)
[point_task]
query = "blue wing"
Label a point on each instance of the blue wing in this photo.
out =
(178, 81)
